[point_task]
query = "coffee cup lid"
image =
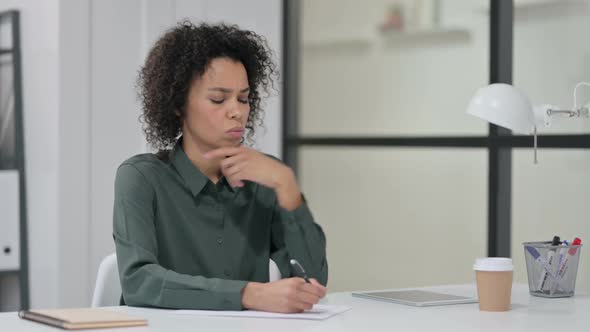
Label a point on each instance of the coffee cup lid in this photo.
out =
(493, 264)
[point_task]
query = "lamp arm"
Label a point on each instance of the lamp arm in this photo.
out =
(544, 113)
(569, 113)
(576, 92)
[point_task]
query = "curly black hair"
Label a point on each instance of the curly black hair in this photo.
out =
(182, 55)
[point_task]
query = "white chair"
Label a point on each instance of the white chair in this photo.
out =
(107, 291)
(274, 273)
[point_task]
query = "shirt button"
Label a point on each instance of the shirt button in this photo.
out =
(220, 240)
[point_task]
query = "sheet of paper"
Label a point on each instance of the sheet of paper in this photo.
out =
(318, 312)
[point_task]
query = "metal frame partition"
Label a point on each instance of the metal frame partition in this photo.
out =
(499, 141)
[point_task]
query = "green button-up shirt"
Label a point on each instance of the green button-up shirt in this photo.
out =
(184, 242)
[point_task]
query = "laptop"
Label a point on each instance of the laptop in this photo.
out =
(418, 298)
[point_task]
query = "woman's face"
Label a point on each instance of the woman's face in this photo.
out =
(217, 105)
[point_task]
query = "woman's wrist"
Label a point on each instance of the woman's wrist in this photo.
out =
(287, 190)
(251, 294)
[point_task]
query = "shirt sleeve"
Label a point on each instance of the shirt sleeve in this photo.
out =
(144, 282)
(295, 235)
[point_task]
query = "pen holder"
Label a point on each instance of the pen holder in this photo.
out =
(551, 270)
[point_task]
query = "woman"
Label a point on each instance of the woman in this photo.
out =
(196, 224)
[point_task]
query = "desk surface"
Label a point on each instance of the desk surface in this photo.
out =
(528, 314)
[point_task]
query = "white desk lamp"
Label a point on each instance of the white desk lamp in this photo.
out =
(506, 106)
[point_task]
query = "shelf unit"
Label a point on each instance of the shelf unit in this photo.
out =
(410, 36)
(425, 35)
(10, 20)
(337, 42)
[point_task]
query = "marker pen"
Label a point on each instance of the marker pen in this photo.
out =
(571, 252)
(563, 267)
(537, 256)
(562, 253)
(543, 281)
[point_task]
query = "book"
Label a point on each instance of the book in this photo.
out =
(83, 318)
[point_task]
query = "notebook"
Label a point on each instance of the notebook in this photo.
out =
(84, 318)
(416, 298)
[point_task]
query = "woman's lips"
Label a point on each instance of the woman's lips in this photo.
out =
(236, 132)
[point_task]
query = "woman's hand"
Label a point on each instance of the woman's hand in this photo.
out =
(242, 163)
(286, 295)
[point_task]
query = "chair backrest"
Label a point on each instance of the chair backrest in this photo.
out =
(274, 273)
(107, 291)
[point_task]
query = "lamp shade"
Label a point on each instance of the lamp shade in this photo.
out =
(503, 105)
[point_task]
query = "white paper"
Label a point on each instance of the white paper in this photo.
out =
(318, 312)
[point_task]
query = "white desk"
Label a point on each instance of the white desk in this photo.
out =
(528, 314)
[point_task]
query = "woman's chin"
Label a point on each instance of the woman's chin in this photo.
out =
(230, 144)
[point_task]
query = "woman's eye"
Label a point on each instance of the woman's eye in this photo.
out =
(217, 101)
(243, 101)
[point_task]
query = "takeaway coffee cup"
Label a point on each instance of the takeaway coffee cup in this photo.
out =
(494, 283)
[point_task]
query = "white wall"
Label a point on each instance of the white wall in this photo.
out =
(73, 191)
(80, 61)
(115, 133)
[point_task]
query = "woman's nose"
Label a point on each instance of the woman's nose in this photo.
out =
(234, 111)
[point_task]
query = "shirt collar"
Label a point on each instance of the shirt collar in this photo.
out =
(192, 176)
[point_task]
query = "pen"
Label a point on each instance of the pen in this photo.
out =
(300, 270)
(563, 267)
(537, 256)
(571, 252)
(562, 253)
(550, 262)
